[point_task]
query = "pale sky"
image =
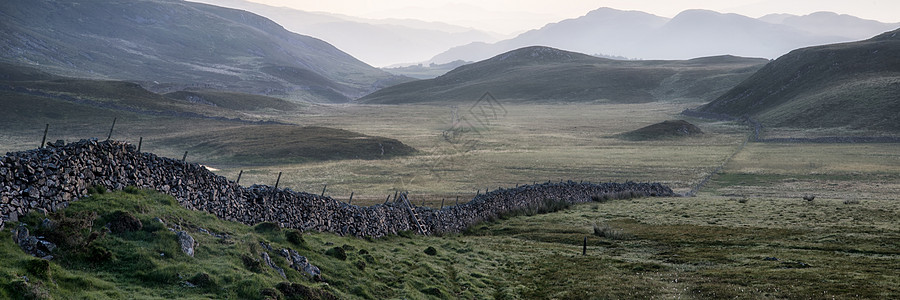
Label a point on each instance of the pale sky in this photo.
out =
(509, 16)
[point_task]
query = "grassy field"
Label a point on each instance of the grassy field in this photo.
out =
(747, 234)
(699, 247)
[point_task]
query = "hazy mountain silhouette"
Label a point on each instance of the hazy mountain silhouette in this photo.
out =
(854, 85)
(377, 42)
(169, 45)
(832, 24)
(543, 74)
(690, 34)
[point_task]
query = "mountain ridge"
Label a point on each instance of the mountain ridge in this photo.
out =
(853, 85)
(172, 45)
(645, 36)
(544, 74)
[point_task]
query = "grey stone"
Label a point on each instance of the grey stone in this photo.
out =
(268, 261)
(187, 243)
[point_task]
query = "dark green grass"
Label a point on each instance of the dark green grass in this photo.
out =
(277, 144)
(516, 257)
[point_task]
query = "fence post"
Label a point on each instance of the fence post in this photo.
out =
(239, 177)
(277, 180)
(183, 158)
(44, 140)
(584, 248)
(442, 203)
(111, 128)
(323, 189)
(351, 199)
(140, 142)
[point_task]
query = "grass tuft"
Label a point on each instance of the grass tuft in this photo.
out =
(604, 230)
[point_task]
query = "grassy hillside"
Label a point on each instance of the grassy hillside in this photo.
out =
(853, 85)
(22, 83)
(664, 130)
(171, 45)
(278, 144)
(701, 247)
(542, 74)
(212, 125)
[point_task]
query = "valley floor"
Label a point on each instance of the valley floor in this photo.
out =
(747, 234)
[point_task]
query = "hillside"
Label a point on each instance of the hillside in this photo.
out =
(854, 85)
(25, 88)
(542, 74)
(271, 144)
(218, 126)
(668, 129)
(167, 46)
(690, 34)
(376, 42)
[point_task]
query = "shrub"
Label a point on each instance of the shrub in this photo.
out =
(267, 227)
(337, 252)
(40, 268)
(71, 231)
(202, 280)
(299, 291)
(295, 237)
(132, 189)
(121, 222)
(431, 251)
(251, 263)
(606, 231)
(433, 291)
(361, 265)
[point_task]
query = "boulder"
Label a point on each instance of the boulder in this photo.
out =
(187, 243)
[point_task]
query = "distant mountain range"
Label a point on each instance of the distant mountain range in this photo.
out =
(690, 34)
(543, 74)
(169, 45)
(383, 43)
(854, 85)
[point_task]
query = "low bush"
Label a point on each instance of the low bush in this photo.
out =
(605, 231)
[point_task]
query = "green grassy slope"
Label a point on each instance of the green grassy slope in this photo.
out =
(664, 130)
(700, 247)
(171, 45)
(854, 85)
(542, 74)
(274, 144)
(200, 121)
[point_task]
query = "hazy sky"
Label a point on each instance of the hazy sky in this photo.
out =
(508, 16)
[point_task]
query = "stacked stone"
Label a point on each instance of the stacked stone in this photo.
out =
(48, 179)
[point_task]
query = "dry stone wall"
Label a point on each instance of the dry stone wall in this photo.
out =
(48, 179)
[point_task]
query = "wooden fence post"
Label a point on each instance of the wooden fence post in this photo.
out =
(239, 177)
(140, 142)
(44, 140)
(584, 248)
(351, 199)
(442, 203)
(323, 189)
(277, 180)
(111, 128)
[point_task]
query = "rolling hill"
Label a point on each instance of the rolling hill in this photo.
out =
(854, 85)
(542, 74)
(219, 127)
(168, 45)
(690, 34)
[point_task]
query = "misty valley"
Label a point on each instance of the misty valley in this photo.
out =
(168, 149)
